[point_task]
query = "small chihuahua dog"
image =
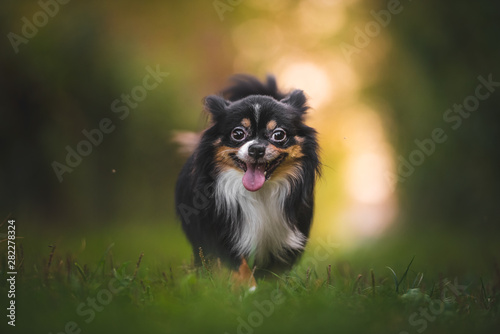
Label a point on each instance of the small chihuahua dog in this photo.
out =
(247, 191)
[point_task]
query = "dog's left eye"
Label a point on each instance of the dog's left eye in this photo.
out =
(278, 135)
(238, 134)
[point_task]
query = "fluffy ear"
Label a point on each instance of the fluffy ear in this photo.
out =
(296, 99)
(216, 105)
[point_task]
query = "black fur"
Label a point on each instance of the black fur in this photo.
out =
(195, 201)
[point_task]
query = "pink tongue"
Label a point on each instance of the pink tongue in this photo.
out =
(254, 177)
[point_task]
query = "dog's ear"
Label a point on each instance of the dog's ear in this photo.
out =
(216, 105)
(296, 99)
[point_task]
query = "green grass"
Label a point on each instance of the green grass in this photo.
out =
(141, 280)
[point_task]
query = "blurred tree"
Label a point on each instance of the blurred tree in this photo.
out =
(439, 50)
(58, 84)
(65, 79)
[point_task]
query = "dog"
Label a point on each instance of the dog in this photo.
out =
(246, 194)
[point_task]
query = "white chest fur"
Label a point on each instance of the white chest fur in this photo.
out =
(263, 226)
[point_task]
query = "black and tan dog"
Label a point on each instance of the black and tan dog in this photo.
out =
(257, 163)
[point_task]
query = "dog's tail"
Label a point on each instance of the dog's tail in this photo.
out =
(187, 141)
(246, 85)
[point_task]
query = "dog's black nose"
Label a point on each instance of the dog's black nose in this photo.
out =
(256, 151)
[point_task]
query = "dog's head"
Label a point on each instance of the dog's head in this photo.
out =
(261, 137)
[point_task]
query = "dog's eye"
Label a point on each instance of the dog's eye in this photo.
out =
(238, 134)
(278, 135)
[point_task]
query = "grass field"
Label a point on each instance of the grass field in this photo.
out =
(139, 279)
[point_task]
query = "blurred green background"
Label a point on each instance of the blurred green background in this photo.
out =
(376, 82)
(380, 76)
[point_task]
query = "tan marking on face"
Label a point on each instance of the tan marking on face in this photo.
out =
(217, 142)
(294, 151)
(271, 125)
(290, 164)
(299, 140)
(245, 122)
(223, 158)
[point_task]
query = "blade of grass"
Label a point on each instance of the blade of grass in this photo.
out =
(394, 277)
(486, 302)
(418, 279)
(405, 273)
(51, 255)
(137, 266)
(356, 283)
(80, 270)
(102, 261)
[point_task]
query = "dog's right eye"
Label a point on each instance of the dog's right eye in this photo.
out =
(238, 134)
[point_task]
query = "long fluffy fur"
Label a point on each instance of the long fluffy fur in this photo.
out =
(227, 221)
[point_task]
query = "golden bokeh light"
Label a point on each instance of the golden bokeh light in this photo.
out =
(312, 79)
(354, 199)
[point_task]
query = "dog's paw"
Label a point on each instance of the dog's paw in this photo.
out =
(244, 277)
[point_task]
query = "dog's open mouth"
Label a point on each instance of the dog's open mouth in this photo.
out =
(257, 173)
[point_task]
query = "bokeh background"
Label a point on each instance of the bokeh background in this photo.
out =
(381, 77)
(375, 87)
